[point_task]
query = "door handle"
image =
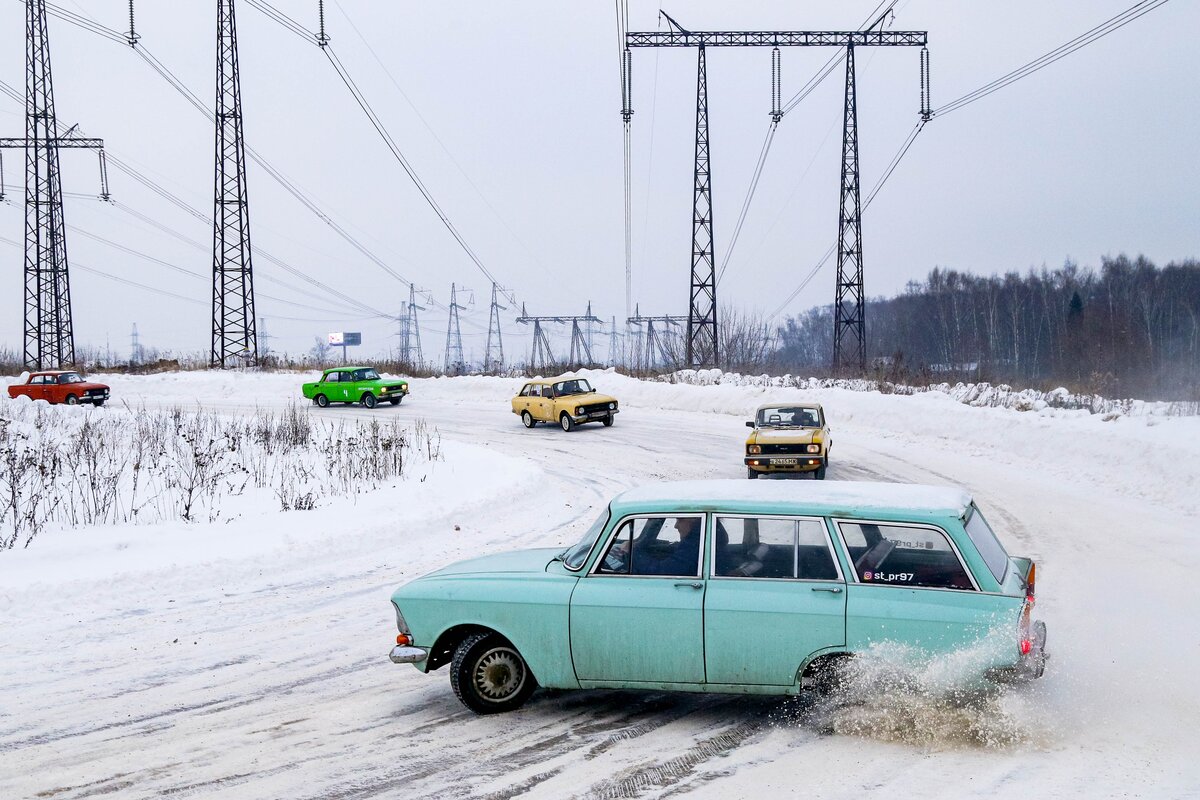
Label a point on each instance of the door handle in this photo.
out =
(692, 585)
(830, 589)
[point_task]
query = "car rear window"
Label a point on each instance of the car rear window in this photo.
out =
(903, 555)
(994, 554)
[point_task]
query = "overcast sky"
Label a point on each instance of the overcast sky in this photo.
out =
(510, 114)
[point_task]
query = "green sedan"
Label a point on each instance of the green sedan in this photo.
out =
(354, 385)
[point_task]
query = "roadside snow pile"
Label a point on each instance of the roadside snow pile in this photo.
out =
(69, 466)
(984, 395)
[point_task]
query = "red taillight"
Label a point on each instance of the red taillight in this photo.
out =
(403, 639)
(1026, 647)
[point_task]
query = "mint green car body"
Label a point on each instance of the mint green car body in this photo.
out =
(580, 629)
(361, 385)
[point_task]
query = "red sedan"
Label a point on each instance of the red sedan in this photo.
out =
(60, 386)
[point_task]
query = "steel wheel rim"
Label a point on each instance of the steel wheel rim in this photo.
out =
(527, 419)
(566, 426)
(498, 675)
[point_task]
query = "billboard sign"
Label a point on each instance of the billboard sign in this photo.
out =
(345, 338)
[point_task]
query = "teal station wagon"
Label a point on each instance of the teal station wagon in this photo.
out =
(728, 586)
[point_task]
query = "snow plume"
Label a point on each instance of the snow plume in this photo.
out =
(897, 693)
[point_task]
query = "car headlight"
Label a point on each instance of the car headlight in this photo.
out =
(578, 410)
(401, 625)
(612, 406)
(813, 448)
(753, 449)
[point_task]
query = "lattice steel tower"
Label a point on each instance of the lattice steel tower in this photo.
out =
(849, 305)
(493, 355)
(49, 334)
(702, 313)
(234, 338)
(455, 364)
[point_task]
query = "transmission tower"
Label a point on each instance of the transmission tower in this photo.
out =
(410, 332)
(135, 347)
(454, 365)
(655, 340)
(540, 357)
(49, 335)
(234, 339)
(614, 345)
(493, 358)
(848, 308)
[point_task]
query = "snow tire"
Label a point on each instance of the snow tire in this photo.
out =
(489, 676)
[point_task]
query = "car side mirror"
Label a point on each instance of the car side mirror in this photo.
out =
(749, 424)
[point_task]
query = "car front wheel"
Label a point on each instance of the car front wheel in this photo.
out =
(528, 419)
(369, 401)
(608, 421)
(566, 421)
(395, 401)
(820, 473)
(751, 474)
(72, 400)
(489, 676)
(98, 403)
(321, 400)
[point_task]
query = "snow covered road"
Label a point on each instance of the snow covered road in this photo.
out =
(248, 672)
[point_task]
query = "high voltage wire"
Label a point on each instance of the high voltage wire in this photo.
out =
(132, 172)
(372, 117)
(1110, 25)
(1103, 29)
(166, 74)
(533, 256)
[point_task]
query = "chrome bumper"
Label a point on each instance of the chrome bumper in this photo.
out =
(592, 416)
(408, 655)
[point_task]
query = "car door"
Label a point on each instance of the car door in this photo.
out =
(637, 616)
(41, 388)
(542, 406)
(775, 596)
(910, 587)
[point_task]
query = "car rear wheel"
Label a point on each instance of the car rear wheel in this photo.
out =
(369, 401)
(72, 400)
(751, 473)
(321, 400)
(609, 420)
(528, 419)
(489, 676)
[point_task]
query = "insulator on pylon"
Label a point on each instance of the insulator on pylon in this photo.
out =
(926, 100)
(776, 87)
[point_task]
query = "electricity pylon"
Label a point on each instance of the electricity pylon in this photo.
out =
(493, 357)
(234, 337)
(49, 334)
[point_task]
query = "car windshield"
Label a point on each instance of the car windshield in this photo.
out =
(789, 417)
(580, 386)
(366, 375)
(70, 377)
(574, 556)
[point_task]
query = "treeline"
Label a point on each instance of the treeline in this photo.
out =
(1130, 329)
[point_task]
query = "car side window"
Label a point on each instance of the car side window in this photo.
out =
(658, 546)
(771, 547)
(331, 377)
(524, 391)
(897, 555)
(535, 391)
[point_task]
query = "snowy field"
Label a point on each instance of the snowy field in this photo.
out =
(246, 657)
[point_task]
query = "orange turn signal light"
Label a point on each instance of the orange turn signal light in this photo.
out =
(403, 639)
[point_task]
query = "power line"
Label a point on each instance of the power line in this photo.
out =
(1110, 25)
(1103, 29)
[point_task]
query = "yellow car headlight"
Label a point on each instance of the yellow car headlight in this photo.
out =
(753, 449)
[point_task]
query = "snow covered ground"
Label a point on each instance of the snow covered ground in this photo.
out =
(247, 657)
